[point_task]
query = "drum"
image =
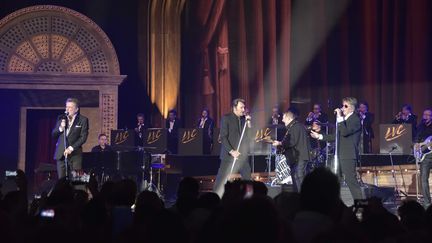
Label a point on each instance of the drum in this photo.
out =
(283, 172)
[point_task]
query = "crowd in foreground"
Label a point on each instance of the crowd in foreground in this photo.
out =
(116, 212)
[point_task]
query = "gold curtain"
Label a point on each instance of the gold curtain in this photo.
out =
(164, 53)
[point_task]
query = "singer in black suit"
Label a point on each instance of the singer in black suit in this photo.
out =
(295, 146)
(207, 124)
(231, 128)
(349, 131)
(76, 127)
(172, 124)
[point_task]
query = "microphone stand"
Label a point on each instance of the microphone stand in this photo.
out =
(65, 147)
(336, 156)
(397, 192)
(238, 148)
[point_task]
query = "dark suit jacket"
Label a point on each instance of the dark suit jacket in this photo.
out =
(98, 148)
(367, 125)
(177, 125)
(76, 137)
(296, 143)
(412, 119)
(349, 137)
(230, 132)
(208, 127)
(139, 141)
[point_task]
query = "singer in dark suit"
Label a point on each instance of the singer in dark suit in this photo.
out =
(207, 124)
(172, 124)
(231, 128)
(349, 131)
(295, 146)
(76, 127)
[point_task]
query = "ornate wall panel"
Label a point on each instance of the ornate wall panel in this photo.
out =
(53, 39)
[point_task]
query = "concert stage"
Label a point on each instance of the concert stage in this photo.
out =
(375, 169)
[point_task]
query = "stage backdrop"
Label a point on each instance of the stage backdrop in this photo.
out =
(307, 51)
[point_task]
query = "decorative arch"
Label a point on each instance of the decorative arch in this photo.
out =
(55, 51)
(54, 39)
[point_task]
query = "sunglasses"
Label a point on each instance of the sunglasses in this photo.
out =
(345, 106)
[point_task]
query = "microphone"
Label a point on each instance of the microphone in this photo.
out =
(393, 148)
(248, 120)
(64, 115)
(336, 111)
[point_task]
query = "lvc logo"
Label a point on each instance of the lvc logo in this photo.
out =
(394, 132)
(153, 136)
(189, 135)
(121, 137)
(262, 134)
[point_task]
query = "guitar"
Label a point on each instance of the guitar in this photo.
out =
(279, 149)
(420, 152)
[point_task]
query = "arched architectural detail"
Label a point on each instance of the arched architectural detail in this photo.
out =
(54, 39)
(51, 52)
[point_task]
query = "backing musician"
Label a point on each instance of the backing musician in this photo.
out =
(315, 121)
(423, 132)
(207, 124)
(103, 145)
(406, 117)
(316, 115)
(366, 119)
(173, 123)
(296, 146)
(140, 128)
(276, 117)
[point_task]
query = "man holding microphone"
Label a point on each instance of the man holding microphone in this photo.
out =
(71, 128)
(234, 148)
(349, 131)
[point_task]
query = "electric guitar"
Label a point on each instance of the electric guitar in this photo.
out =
(420, 152)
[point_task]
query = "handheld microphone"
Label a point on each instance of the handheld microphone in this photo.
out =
(248, 118)
(393, 148)
(336, 111)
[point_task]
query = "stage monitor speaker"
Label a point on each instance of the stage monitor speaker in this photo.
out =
(387, 194)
